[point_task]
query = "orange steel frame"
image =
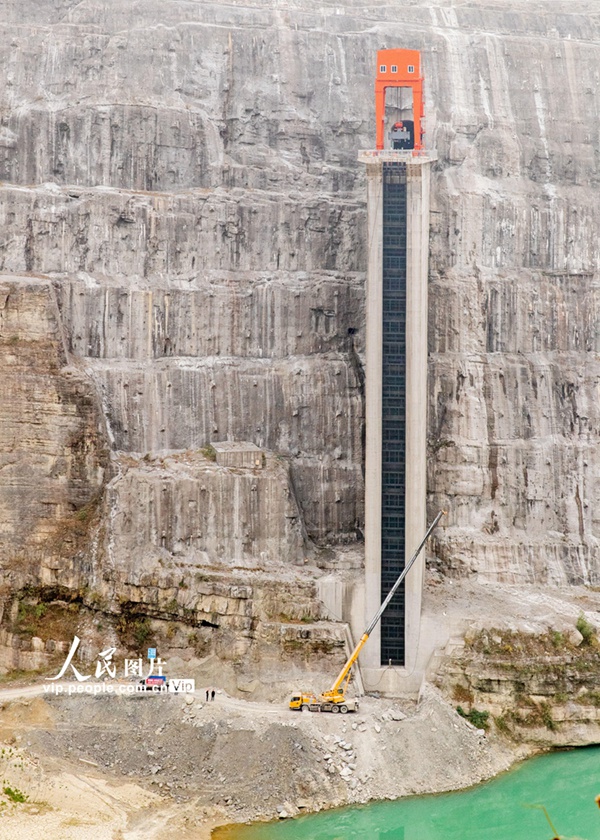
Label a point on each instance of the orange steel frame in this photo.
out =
(402, 60)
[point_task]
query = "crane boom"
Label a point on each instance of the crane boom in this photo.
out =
(345, 672)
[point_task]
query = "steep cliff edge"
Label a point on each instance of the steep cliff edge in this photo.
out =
(183, 224)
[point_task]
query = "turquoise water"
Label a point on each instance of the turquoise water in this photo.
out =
(566, 783)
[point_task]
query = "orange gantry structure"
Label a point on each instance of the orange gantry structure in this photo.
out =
(400, 69)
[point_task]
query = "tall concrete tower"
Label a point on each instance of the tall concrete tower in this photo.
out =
(398, 177)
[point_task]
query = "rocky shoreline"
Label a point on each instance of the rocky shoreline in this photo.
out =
(232, 761)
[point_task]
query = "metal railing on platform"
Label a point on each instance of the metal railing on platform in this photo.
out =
(401, 155)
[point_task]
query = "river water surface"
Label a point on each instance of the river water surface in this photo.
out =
(566, 783)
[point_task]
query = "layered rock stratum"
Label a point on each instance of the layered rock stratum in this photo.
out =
(183, 262)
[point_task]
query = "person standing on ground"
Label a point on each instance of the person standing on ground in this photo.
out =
(212, 694)
(207, 695)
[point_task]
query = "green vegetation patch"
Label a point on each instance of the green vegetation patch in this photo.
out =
(478, 718)
(510, 644)
(586, 630)
(45, 620)
(14, 794)
(209, 452)
(529, 715)
(16, 675)
(135, 631)
(531, 674)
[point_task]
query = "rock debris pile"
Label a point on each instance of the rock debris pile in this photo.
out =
(238, 761)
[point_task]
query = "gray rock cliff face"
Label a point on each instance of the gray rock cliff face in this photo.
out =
(180, 190)
(514, 316)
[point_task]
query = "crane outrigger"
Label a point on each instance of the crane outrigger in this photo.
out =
(335, 700)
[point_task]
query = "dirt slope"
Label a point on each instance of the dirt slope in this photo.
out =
(128, 765)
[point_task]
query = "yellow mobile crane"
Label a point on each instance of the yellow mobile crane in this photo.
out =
(335, 700)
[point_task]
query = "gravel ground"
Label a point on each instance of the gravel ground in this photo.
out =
(133, 767)
(172, 758)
